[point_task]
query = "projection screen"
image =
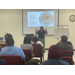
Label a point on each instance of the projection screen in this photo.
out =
(34, 18)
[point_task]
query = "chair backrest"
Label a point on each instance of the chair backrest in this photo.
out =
(67, 52)
(28, 54)
(3, 45)
(12, 59)
(67, 59)
(37, 49)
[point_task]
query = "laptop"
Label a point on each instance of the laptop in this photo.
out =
(1, 38)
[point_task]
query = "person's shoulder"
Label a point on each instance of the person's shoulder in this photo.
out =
(64, 62)
(4, 48)
(17, 47)
(30, 44)
(45, 62)
(22, 44)
(69, 47)
(38, 41)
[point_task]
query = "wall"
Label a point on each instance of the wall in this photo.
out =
(11, 21)
(64, 15)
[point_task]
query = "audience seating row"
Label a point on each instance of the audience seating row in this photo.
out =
(68, 58)
(37, 51)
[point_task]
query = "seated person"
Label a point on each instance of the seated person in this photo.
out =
(2, 62)
(63, 45)
(69, 43)
(32, 62)
(27, 44)
(35, 40)
(54, 57)
(10, 49)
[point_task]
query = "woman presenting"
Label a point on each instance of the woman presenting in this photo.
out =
(41, 35)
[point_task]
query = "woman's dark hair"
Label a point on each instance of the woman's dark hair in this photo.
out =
(9, 39)
(42, 27)
(35, 39)
(64, 39)
(27, 40)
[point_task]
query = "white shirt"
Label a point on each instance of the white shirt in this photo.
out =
(38, 42)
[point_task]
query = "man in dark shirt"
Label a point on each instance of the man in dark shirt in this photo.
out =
(41, 35)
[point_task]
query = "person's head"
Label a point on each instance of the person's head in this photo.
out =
(9, 39)
(64, 39)
(54, 52)
(41, 28)
(69, 43)
(32, 62)
(27, 40)
(35, 39)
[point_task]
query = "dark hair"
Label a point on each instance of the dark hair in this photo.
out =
(35, 39)
(42, 27)
(27, 40)
(9, 39)
(32, 62)
(64, 39)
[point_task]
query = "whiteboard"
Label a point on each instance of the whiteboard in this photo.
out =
(58, 32)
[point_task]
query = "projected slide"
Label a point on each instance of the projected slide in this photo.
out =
(40, 18)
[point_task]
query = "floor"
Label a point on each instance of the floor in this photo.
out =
(46, 55)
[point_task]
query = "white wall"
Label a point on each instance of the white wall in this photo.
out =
(64, 15)
(11, 21)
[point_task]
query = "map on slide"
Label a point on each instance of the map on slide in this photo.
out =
(40, 18)
(46, 18)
